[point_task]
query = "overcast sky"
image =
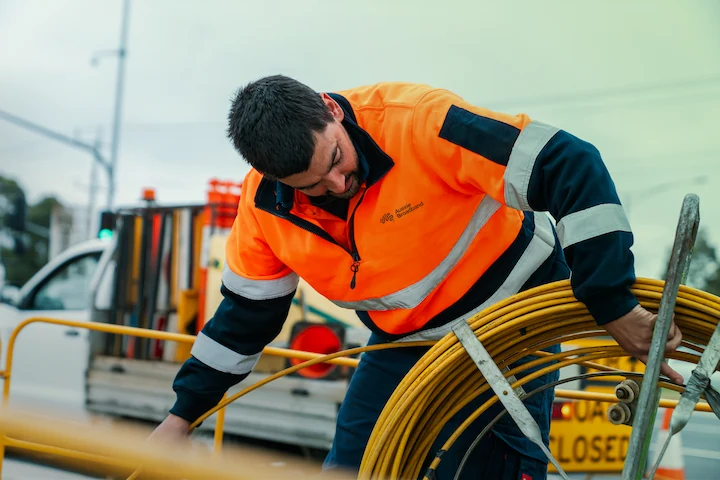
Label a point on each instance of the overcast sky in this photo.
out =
(640, 80)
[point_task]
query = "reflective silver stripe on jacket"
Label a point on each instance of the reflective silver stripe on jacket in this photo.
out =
(538, 250)
(259, 289)
(412, 296)
(221, 358)
(592, 222)
(526, 149)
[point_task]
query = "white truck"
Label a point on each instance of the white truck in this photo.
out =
(74, 370)
(49, 362)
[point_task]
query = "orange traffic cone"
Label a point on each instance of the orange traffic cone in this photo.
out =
(672, 466)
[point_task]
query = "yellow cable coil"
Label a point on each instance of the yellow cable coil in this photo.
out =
(445, 379)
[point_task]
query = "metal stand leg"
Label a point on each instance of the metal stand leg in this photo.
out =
(696, 386)
(649, 393)
(502, 388)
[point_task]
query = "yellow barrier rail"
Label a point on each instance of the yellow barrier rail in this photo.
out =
(128, 446)
(6, 441)
(130, 331)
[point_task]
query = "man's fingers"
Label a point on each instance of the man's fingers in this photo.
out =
(670, 373)
(673, 342)
(664, 370)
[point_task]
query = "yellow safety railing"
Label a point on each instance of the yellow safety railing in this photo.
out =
(128, 448)
(119, 330)
(126, 461)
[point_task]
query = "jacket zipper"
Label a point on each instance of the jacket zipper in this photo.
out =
(353, 247)
(354, 254)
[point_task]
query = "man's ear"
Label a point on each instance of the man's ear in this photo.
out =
(335, 109)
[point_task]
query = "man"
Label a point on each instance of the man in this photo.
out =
(416, 209)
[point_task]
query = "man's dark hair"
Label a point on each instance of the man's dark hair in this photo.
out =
(272, 121)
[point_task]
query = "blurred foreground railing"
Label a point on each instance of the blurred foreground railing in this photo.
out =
(112, 460)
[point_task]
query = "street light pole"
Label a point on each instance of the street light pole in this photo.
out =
(119, 90)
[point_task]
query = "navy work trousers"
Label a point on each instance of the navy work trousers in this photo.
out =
(503, 454)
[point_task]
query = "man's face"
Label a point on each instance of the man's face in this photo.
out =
(334, 169)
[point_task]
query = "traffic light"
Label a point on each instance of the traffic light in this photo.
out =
(107, 224)
(16, 218)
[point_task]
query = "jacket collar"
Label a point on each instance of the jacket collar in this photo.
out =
(373, 161)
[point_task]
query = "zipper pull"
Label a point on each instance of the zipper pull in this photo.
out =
(354, 268)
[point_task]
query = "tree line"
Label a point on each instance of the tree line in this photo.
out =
(23, 251)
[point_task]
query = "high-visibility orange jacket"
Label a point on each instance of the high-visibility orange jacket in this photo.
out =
(444, 225)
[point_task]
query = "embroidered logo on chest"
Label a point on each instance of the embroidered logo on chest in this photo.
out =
(406, 209)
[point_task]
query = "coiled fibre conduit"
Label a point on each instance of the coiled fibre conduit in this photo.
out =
(445, 379)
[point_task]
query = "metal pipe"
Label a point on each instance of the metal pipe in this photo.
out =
(649, 393)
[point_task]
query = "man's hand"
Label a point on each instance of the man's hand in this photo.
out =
(173, 429)
(633, 332)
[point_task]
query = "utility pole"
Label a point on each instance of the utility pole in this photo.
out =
(119, 90)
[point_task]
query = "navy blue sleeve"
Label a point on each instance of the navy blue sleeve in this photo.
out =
(550, 170)
(226, 350)
(570, 180)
